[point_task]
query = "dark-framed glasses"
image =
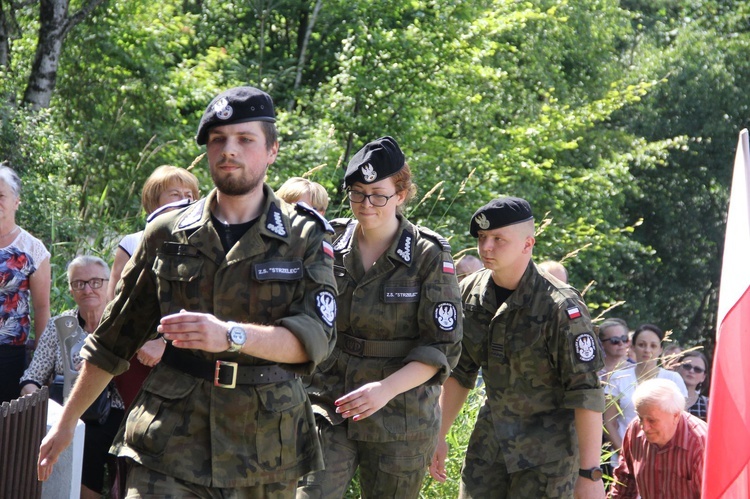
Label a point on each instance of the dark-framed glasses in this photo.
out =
(690, 367)
(378, 200)
(94, 283)
(616, 340)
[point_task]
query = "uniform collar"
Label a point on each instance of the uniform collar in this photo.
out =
(273, 223)
(519, 298)
(401, 250)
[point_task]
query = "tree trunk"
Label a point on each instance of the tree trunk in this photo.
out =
(303, 49)
(53, 15)
(4, 39)
(54, 25)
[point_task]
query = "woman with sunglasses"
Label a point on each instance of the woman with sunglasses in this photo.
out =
(694, 371)
(613, 333)
(398, 337)
(647, 340)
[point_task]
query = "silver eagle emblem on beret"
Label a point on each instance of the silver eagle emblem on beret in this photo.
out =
(369, 173)
(482, 221)
(223, 110)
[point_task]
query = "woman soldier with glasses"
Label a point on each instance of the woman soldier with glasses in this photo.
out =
(398, 337)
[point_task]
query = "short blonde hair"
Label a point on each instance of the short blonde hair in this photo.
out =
(162, 178)
(296, 187)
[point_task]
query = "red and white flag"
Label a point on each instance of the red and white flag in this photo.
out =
(726, 471)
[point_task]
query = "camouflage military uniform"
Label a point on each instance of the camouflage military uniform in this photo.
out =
(409, 298)
(278, 273)
(539, 360)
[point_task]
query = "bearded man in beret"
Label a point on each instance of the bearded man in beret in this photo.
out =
(240, 285)
(539, 431)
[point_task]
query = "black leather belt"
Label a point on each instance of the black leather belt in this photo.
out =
(373, 348)
(224, 373)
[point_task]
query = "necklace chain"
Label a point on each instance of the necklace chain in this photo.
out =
(9, 233)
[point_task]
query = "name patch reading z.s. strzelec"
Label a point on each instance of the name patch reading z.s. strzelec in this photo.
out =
(401, 294)
(285, 271)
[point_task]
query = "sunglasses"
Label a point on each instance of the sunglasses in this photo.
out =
(616, 340)
(691, 367)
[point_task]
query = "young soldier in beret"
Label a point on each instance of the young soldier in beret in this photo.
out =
(399, 331)
(241, 287)
(532, 337)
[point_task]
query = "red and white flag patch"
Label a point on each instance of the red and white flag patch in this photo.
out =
(573, 313)
(448, 268)
(328, 249)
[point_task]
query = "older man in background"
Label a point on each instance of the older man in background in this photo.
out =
(663, 450)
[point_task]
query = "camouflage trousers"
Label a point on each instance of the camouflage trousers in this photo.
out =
(386, 469)
(484, 473)
(143, 482)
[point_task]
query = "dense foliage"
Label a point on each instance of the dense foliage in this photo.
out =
(617, 120)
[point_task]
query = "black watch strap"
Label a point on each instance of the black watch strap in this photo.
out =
(594, 474)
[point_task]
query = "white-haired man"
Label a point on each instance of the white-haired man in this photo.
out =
(662, 453)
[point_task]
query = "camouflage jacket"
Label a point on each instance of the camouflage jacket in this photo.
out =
(539, 359)
(410, 295)
(278, 273)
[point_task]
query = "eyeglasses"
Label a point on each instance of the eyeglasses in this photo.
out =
(378, 200)
(691, 367)
(616, 340)
(94, 283)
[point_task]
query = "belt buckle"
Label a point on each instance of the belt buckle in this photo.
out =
(354, 346)
(217, 372)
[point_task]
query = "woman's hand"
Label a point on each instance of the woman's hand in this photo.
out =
(364, 401)
(28, 389)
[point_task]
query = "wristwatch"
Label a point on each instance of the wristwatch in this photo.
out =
(236, 336)
(594, 474)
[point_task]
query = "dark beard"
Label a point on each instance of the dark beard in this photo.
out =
(234, 186)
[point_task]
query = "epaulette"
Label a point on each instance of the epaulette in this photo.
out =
(340, 222)
(303, 207)
(443, 242)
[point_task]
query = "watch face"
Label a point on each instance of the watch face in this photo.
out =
(592, 474)
(238, 335)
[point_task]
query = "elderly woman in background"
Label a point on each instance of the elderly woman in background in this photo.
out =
(166, 188)
(87, 278)
(24, 273)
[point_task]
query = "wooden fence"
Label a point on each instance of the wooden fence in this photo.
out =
(23, 424)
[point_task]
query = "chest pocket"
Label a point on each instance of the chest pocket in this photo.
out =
(530, 356)
(476, 332)
(400, 301)
(179, 280)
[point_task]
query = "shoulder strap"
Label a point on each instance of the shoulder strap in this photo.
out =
(431, 234)
(305, 208)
